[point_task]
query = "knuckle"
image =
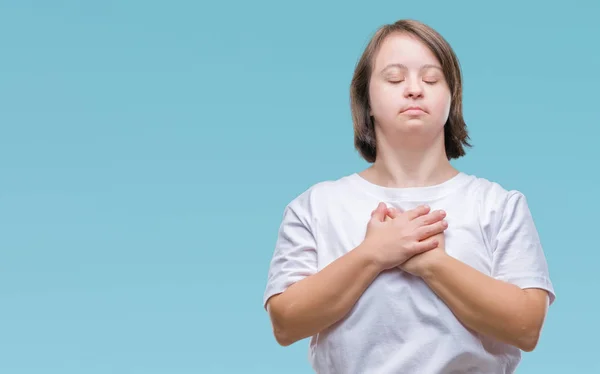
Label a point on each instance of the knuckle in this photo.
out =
(412, 247)
(417, 234)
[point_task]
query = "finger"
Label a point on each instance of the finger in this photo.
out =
(431, 230)
(425, 245)
(417, 212)
(430, 218)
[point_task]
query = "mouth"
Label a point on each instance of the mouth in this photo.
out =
(413, 110)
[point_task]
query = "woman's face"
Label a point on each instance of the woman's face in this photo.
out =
(408, 92)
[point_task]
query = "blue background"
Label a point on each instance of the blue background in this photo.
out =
(147, 150)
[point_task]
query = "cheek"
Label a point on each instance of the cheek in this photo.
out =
(441, 107)
(384, 102)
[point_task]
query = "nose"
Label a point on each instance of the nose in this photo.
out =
(413, 88)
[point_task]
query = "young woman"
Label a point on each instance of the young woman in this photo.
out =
(409, 266)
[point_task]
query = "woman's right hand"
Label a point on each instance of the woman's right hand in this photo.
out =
(392, 241)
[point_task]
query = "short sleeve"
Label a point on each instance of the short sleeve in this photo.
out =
(518, 257)
(295, 255)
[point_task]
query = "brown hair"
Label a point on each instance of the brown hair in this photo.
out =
(455, 129)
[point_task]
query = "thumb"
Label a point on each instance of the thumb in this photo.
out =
(393, 212)
(379, 213)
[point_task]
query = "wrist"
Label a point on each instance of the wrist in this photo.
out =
(365, 251)
(436, 262)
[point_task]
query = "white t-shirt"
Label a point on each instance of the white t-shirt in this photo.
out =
(399, 325)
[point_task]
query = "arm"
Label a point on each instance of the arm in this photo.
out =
(489, 306)
(318, 301)
(511, 304)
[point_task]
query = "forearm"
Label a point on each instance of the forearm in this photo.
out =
(489, 306)
(316, 302)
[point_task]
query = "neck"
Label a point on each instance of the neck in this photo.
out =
(403, 167)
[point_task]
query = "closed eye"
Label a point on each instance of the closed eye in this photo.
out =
(431, 79)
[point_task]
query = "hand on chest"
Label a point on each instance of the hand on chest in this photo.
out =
(340, 233)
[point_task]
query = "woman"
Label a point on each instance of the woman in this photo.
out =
(409, 266)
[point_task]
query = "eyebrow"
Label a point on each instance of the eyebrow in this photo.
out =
(401, 66)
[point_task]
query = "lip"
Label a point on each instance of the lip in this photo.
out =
(413, 109)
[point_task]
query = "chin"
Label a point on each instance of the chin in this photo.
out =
(415, 128)
(414, 125)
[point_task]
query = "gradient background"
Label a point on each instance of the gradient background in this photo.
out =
(147, 150)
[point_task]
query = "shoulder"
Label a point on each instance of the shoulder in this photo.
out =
(313, 198)
(494, 196)
(501, 209)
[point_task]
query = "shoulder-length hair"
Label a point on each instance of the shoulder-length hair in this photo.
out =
(455, 130)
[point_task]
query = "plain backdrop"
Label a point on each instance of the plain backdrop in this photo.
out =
(148, 149)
